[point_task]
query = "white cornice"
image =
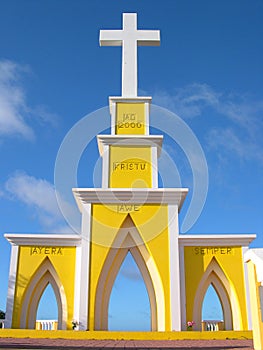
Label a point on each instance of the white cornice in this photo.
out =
(130, 140)
(137, 195)
(66, 240)
(130, 99)
(139, 99)
(27, 239)
(216, 240)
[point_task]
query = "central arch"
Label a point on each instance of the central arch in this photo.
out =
(128, 239)
(129, 296)
(45, 274)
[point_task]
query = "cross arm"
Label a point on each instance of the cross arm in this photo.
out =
(111, 37)
(148, 38)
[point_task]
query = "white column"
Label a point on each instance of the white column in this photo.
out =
(154, 163)
(249, 315)
(82, 271)
(11, 286)
(147, 114)
(105, 166)
(77, 286)
(182, 288)
(113, 112)
(174, 268)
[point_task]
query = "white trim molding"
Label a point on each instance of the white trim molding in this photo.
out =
(139, 99)
(160, 196)
(50, 240)
(130, 140)
(241, 240)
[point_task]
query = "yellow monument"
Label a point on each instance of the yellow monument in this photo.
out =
(129, 213)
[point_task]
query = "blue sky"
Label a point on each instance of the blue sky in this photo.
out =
(208, 70)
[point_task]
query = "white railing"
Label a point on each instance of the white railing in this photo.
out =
(212, 325)
(2, 323)
(47, 325)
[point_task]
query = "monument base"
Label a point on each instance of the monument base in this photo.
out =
(124, 335)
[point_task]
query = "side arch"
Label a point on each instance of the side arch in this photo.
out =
(45, 274)
(215, 275)
(128, 239)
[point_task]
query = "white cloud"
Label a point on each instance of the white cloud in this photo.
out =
(230, 141)
(15, 112)
(192, 100)
(243, 112)
(39, 195)
(240, 116)
(44, 116)
(189, 101)
(131, 274)
(12, 101)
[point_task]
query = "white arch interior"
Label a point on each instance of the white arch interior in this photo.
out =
(44, 275)
(214, 275)
(129, 240)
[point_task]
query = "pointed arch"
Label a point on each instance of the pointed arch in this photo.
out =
(45, 274)
(128, 239)
(215, 275)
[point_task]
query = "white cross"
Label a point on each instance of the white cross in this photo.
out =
(129, 38)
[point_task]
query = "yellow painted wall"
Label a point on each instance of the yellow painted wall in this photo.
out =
(256, 311)
(130, 167)
(151, 222)
(29, 260)
(229, 259)
(130, 119)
